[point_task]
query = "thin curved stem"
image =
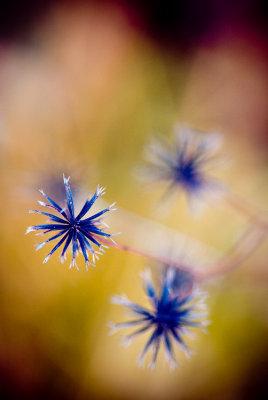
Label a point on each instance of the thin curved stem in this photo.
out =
(144, 254)
(239, 253)
(246, 245)
(249, 210)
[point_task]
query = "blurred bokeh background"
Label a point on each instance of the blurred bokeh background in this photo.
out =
(83, 86)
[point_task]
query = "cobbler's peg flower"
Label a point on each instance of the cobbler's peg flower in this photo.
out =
(170, 315)
(183, 164)
(81, 234)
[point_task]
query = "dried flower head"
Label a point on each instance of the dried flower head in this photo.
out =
(184, 163)
(82, 234)
(171, 313)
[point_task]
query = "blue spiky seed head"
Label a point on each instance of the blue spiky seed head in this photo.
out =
(184, 163)
(171, 313)
(82, 234)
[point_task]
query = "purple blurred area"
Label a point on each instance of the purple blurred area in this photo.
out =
(176, 25)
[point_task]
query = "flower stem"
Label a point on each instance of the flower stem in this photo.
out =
(144, 254)
(249, 210)
(239, 253)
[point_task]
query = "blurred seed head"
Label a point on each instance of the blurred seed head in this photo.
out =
(171, 314)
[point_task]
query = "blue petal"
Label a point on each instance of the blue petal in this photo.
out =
(180, 341)
(56, 247)
(188, 322)
(52, 238)
(55, 205)
(90, 237)
(51, 216)
(169, 348)
(91, 228)
(186, 299)
(88, 204)
(67, 243)
(176, 336)
(50, 227)
(88, 245)
(164, 296)
(183, 313)
(151, 293)
(127, 324)
(69, 197)
(83, 247)
(155, 335)
(139, 310)
(96, 215)
(156, 345)
(75, 244)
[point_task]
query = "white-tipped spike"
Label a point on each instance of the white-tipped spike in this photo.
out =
(146, 275)
(140, 361)
(29, 229)
(202, 306)
(171, 360)
(73, 263)
(111, 207)
(46, 259)
(89, 263)
(101, 248)
(41, 203)
(121, 300)
(185, 350)
(197, 315)
(61, 259)
(126, 340)
(173, 365)
(170, 275)
(104, 224)
(188, 353)
(152, 365)
(190, 334)
(113, 328)
(66, 180)
(201, 293)
(40, 246)
(42, 192)
(211, 142)
(100, 191)
(203, 326)
(31, 211)
(116, 234)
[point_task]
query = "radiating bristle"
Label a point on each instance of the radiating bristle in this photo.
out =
(46, 259)
(29, 229)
